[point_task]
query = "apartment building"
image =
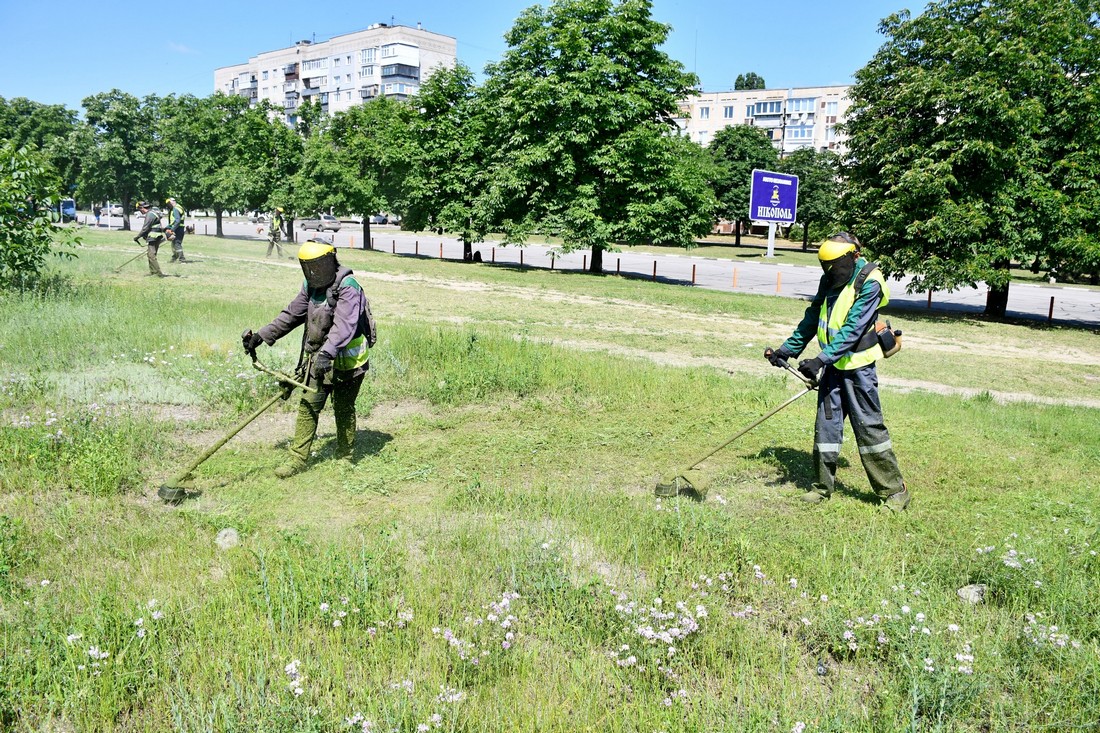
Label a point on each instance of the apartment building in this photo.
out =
(801, 117)
(349, 69)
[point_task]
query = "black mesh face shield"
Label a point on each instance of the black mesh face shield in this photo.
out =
(320, 271)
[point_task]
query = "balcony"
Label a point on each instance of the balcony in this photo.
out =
(368, 92)
(400, 72)
(290, 72)
(310, 91)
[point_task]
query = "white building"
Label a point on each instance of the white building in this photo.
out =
(389, 60)
(795, 118)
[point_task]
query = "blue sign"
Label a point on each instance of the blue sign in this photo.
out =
(773, 197)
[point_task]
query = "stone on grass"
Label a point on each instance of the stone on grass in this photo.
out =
(973, 593)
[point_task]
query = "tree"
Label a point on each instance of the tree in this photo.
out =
(972, 142)
(115, 144)
(28, 194)
(582, 92)
(449, 158)
(818, 188)
(45, 127)
(751, 80)
(736, 151)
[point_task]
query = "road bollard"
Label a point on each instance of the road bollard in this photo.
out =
(551, 260)
(693, 274)
(416, 248)
(618, 265)
(778, 281)
(584, 262)
(494, 255)
(521, 258)
(929, 298)
(735, 277)
(393, 247)
(655, 270)
(441, 250)
(1050, 313)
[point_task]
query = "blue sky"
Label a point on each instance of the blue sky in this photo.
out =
(61, 52)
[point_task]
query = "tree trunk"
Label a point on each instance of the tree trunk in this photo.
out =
(996, 303)
(806, 236)
(736, 232)
(597, 260)
(218, 222)
(467, 250)
(367, 243)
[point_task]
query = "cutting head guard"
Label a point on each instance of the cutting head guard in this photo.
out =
(318, 261)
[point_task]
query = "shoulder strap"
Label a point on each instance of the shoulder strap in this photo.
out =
(862, 276)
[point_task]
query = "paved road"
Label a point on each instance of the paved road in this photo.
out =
(1071, 305)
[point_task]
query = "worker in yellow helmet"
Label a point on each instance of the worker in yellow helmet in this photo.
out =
(339, 331)
(842, 315)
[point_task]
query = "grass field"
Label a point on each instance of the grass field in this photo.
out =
(493, 558)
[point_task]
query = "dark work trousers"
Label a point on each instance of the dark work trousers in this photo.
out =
(344, 393)
(151, 247)
(853, 393)
(177, 244)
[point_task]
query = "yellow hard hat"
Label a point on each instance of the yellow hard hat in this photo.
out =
(313, 249)
(836, 247)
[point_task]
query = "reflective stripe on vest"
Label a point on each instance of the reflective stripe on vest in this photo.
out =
(829, 324)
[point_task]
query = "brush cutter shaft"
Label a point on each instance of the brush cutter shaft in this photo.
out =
(285, 378)
(119, 268)
(214, 448)
(750, 427)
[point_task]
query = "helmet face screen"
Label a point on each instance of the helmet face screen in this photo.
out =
(320, 272)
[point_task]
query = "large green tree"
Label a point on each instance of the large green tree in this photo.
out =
(818, 189)
(116, 144)
(735, 151)
(449, 160)
(582, 93)
(45, 127)
(973, 142)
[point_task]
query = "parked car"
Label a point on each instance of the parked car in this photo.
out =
(68, 210)
(324, 222)
(115, 210)
(257, 217)
(379, 219)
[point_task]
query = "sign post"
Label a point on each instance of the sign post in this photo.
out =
(773, 197)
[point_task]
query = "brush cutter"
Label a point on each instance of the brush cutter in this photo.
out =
(119, 268)
(693, 483)
(174, 490)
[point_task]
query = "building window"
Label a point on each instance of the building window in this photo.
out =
(367, 55)
(704, 113)
(388, 51)
(831, 108)
(800, 132)
(727, 112)
(314, 64)
(748, 111)
(805, 104)
(265, 76)
(767, 108)
(336, 61)
(830, 134)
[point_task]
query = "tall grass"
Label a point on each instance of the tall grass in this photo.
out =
(495, 560)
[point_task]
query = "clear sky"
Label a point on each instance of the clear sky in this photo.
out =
(63, 51)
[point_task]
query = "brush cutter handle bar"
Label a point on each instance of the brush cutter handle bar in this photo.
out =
(810, 383)
(750, 427)
(284, 378)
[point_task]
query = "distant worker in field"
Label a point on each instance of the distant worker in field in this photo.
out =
(151, 226)
(842, 314)
(339, 331)
(96, 211)
(175, 223)
(275, 232)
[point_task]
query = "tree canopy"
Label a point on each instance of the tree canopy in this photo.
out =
(972, 142)
(583, 93)
(736, 151)
(751, 80)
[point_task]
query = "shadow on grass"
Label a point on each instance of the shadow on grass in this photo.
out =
(797, 467)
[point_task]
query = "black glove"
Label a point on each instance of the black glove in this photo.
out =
(250, 341)
(810, 368)
(776, 356)
(137, 239)
(322, 365)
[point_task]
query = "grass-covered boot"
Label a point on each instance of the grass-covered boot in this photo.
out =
(290, 466)
(896, 503)
(816, 495)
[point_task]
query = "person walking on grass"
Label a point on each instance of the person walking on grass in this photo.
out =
(175, 223)
(842, 314)
(275, 232)
(152, 244)
(339, 331)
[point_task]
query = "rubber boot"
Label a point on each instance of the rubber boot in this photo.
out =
(816, 495)
(292, 465)
(896, 502)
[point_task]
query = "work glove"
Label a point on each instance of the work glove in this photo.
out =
(776, 356)
(250, 341)
(137, 239)
(810, 368)
(322, 365)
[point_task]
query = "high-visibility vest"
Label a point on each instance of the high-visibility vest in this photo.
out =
(830, 322)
